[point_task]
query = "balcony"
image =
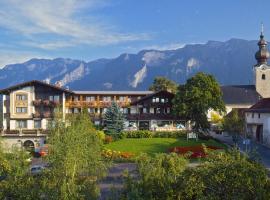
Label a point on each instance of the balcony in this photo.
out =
(47, 115)
(37, 102)
(24, 132)
(36, 115)
(40, 102)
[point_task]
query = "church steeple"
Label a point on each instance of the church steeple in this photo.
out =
(262, 54)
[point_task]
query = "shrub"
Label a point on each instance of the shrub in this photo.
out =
(151, 134)
(108, 139)
(101, 135)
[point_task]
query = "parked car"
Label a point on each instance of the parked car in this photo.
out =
(36, 169)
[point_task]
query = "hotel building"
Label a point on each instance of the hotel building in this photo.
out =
(27, 109)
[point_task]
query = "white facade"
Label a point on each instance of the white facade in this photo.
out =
(262, 79)
(258, 126)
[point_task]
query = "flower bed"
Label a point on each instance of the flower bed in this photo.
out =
(111, 154)
(195, 151)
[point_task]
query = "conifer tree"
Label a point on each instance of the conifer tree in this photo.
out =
(114, 119)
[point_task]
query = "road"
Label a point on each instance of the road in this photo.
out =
(263, 151)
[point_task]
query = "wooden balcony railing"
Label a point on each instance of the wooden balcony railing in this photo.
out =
(42, 115)
(40, 102)
(102, 104)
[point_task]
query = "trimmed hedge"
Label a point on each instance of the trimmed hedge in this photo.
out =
(153, 134)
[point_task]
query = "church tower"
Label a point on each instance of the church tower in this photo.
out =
(262, 69)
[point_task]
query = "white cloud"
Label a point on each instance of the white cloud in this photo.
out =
(61, 18)
(171, 46)
(139, 77)
(12, 57)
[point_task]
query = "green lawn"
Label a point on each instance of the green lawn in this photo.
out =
(155, 145)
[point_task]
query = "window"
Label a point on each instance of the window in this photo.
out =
(259, 115)
(76, 110)
(154, 100)
(91, 110)
(157, 100)
(21, 109)
(37, 124)
(263, 76)
(162, 100)
(121, 98)
(91, 98)
(158, 110)
(106, 98)
(55, 98)
(21, 124)
(76, 98)
(21, 97)
(144, 110)
(252, 115)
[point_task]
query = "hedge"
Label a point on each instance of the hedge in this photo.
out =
(153, 134)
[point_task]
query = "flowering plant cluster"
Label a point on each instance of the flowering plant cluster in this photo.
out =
(194, 151)
(111, 154)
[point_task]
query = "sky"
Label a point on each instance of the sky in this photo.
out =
(92, 29)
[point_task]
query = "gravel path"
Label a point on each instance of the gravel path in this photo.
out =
(114, 179)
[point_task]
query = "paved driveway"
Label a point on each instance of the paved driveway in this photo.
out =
(263, 151)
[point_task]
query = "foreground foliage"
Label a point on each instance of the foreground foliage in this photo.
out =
(75, 159)
(223, 176)
(75, 165)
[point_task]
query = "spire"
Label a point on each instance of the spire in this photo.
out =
(262, 30)
(262, 54)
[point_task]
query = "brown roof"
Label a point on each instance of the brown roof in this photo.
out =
(30, 83)
(261, 106)
(162, 93)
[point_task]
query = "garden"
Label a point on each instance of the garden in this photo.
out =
(132, 144)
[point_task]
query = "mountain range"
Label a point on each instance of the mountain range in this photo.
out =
(231, 62)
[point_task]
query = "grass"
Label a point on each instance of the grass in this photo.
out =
(156, 145)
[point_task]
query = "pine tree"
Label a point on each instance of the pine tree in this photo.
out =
(114, 119)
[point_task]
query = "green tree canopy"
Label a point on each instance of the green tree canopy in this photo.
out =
(114, 119)
(234, 124)
(193, 100)
(223, 176)
(75, 158)
(161, 83)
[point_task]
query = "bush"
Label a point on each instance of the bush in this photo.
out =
(108, 139)
(151, 134)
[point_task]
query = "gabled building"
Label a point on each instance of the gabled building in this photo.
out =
(28, 108)
(258, 121)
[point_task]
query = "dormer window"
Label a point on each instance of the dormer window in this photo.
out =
(263, 76)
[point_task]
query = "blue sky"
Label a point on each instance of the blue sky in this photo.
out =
(90, 29)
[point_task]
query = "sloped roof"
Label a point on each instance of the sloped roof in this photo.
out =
(115, 92)
(262, 106)
(240, 94)
(152, 95)
(31, 83)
